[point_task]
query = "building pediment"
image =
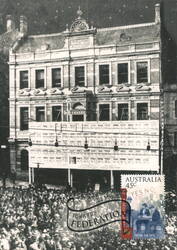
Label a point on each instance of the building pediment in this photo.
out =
(143, 87)
(105, 89)
(39, 92)
(55, 91)
(79, 90)
(24, 92)
(78, 106)
(79, 34)
(123, 89)
(80, 24)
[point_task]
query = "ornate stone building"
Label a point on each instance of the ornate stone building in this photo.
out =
(84, 103)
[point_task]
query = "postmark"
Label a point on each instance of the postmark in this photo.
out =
(96, 216)
(145, 193)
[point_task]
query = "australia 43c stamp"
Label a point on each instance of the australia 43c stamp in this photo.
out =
(145, 194)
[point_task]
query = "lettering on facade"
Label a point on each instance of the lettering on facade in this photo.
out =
(75, 112)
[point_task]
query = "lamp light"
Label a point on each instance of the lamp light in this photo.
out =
(116, 146)
(56, 142)
(30, 142)
(86, 144)
(148, 146)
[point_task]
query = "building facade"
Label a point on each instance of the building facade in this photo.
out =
(85, 102)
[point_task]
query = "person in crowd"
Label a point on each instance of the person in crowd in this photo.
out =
(4, 177)
(13, 176)
(143, 218)
(33, 218)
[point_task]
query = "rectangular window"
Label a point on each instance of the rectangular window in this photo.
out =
(123, 111)
(142, 111)
(80, 76)
(142, 72)
(175, 139)
(104, 74)
(56, 78)
(122, 73)
(104, 112)
(24, 118)
(23, 79)
(40, 78)
(176, 108)
(56, 113)
(40, 114)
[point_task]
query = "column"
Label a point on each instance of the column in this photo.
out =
(13, 156)
(71, 179)
(111, 179)
(29, 175)
(69, 176)
(32, 169)
(113, 114)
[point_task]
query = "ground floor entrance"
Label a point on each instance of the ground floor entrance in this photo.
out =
(88, 180)
(80, 180)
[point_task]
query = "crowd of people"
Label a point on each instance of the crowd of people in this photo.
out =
(35, 219)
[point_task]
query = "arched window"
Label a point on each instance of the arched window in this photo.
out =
(24, 160)
(78, 112)
(78, 106)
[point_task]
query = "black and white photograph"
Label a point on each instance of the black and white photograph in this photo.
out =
(88, 125)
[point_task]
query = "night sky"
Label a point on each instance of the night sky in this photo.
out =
(48, 16)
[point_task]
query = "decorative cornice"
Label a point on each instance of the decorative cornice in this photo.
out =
(142, 87)
(79, 90)
(40, 92)
(105, 89)
(123, 88)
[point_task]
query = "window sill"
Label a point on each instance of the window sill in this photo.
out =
(143, 83)
(105, 84)
(124, 84)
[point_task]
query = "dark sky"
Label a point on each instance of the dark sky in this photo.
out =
(48, 16)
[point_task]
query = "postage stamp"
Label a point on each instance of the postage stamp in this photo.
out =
(145, 194)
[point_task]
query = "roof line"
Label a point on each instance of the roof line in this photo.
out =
(101, 29)
(46, 35)
(127, 26)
